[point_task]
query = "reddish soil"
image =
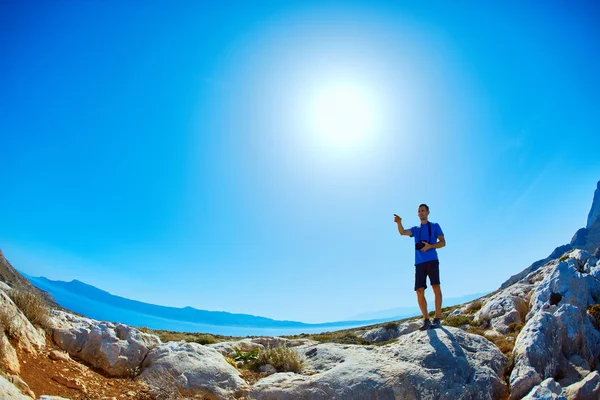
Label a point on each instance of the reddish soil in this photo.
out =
(41, 374)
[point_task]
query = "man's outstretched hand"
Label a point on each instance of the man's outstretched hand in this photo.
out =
(397, 219)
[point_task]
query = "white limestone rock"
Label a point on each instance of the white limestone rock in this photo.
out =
(586, 389)
(228, 348)
(565, 279)
(549, 389)
(194, 368)
(504, 308)
(382, 334)
(579, 337)
(116, 349)
(443, 363)
(10, 391)
(537, 354)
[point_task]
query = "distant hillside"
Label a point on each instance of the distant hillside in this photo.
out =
(10, 276)
(99, 304)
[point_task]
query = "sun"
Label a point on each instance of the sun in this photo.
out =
(342, 115)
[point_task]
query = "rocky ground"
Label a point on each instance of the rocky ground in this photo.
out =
(537, 338)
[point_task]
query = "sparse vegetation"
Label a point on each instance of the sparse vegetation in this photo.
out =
(391, 326)
(458, 321)
(564, 257)
(343, 337)
(284, 359)
(474, 306)
(594, 311)
(33, 306)
(246, 356)
(516, 326)
(6, 324)
(201, 338)
(445, 311)
(505, 343)
(164, 387)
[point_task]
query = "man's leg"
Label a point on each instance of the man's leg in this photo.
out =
(423, 306)
(422, 302)
(437, 291)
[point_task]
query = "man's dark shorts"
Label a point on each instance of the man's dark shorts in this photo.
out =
(429, 269)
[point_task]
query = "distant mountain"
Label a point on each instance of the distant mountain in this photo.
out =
(405, 312)
(101, 305)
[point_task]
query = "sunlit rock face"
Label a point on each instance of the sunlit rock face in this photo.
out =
(444, 363)
(116, 349)
(560, 338)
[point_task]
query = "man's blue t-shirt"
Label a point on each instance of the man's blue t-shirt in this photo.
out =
(422, 233)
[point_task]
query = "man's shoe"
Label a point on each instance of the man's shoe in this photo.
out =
(426, 325)
(436, 323)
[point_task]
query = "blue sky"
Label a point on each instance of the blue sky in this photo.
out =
(183, 153)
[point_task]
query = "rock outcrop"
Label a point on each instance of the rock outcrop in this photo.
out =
(16, 327)
(595, 210)
(559, 338)
(116, 349)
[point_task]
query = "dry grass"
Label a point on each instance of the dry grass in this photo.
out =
(284, 359)
(343, 337)
(458, 321)
(163, 387)
(33, 306)
(474, 306)
(391, 326)
(594, 311)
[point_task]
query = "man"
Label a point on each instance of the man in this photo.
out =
(428, 237)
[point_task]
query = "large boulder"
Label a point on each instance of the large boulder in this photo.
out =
(116, 349)
(444, 363)
(193, 368)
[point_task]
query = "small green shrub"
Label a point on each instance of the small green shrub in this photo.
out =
(564, 257)
(33, 306)
(392, 326)
(458, 321)
(245, 356)
(284, 359)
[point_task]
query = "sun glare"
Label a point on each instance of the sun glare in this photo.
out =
(342, 116)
